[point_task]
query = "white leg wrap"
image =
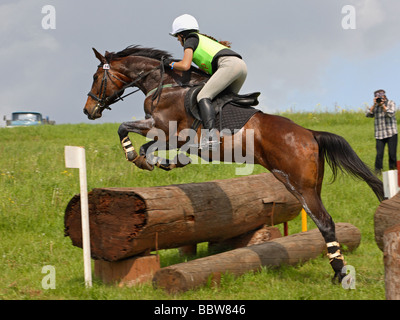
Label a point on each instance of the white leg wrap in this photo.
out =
(128, 147)
(333, 244)
(337, 254)
(126, 143)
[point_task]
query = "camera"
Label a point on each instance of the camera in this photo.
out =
(378, 100)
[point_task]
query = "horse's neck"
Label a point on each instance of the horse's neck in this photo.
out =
(136, 65)
(188, 78)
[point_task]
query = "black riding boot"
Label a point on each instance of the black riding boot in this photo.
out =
(207, 115)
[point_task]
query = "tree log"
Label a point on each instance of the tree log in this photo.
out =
(391, 258)
(125, 222)
(288, 250)
(258, 236)
(387, 215)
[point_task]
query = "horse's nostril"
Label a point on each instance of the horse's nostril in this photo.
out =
(85, 111)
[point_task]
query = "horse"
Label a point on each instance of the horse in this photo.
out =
(293, 154)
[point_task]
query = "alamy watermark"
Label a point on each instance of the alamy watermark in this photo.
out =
(232, 147)
(49, 280)
(49, 20)
(236, 146)
(349, 281)
(349, 20)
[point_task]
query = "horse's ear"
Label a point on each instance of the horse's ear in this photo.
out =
(99, 56)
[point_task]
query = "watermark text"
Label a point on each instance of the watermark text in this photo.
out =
(237, 146)
(349, 20)
(49, 20)
(49, 280)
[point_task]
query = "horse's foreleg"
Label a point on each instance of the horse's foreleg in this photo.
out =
(141, 127)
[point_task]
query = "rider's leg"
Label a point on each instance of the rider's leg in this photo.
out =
(207, 115)
(231, 72)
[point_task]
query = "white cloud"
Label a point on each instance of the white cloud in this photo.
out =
(370, 13)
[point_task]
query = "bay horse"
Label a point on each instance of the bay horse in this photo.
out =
(295, 155)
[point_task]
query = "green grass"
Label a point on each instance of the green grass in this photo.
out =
(35, 188)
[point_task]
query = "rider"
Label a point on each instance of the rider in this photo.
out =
(226, 67)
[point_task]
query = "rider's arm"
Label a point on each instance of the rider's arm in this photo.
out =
(186, 62)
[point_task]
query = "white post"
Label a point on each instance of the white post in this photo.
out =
(75, 158)
(390, 183)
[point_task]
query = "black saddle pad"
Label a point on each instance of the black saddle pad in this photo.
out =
(232, 110)
(233, 117)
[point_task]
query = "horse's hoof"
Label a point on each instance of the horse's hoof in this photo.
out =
(175, 163)
(142, 163)
(166, 168)
(338, 277)
(131, 156)
(130, 153)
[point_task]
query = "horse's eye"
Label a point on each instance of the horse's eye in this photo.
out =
(95, 77)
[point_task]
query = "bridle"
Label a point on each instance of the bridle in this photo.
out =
(104, 102)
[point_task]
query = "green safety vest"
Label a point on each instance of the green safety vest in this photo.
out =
(205, 53)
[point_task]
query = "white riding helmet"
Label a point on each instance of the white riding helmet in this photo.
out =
(183, 23)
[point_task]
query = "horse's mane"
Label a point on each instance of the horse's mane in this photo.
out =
(138, 51)
(157, 54)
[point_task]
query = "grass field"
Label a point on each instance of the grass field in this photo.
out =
(35, 188)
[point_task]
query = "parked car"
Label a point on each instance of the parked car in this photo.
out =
(24, 119)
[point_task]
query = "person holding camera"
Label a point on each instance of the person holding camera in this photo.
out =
(384, 112)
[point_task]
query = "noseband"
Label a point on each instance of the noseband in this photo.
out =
(104, 102)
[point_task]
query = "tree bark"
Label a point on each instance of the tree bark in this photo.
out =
(288, 250)
(125, 222)
(387, 215)
(391, 258)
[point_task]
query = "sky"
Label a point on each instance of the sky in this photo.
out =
(302, 55)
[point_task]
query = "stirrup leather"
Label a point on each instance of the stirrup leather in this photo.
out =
(209, 140)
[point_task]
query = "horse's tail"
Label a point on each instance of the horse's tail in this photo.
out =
(340, 155)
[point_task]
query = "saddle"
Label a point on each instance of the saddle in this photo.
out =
(239, 107)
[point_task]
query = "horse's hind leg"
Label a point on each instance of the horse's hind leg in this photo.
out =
(316, 210)
(310, 198)
(146, 154)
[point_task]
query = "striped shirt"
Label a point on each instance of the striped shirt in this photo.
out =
(385, 122)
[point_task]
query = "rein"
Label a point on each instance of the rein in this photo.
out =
(105, 102)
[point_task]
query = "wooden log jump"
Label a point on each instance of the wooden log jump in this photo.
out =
(387, 215)
(125, 222)
(391, 258)
(387, 237)
(288, 250)
(127, 272)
